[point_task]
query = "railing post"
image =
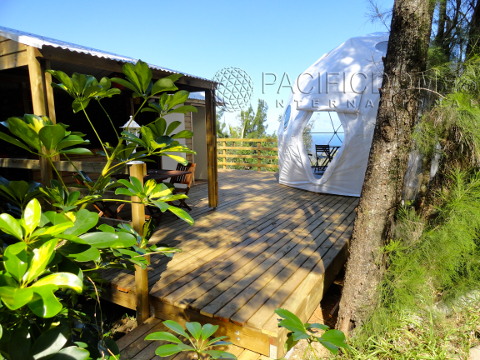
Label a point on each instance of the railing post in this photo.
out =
(224, 154)
(258, 154)
(138, 169)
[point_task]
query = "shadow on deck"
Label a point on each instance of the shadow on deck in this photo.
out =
(265, 246)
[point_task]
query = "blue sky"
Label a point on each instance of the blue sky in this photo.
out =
(202, 37)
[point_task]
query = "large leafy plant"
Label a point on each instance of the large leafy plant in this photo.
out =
(47, 257)
(198, 339)
(332, 340)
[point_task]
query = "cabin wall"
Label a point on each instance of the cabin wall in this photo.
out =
(200, 143)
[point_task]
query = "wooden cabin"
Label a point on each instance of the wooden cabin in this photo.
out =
(25, 88)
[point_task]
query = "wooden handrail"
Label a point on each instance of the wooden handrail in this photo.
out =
(229, 157)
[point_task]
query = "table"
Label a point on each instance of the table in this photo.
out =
(157, 174)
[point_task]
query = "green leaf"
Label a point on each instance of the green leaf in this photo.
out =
(84, 221)
(144, 75)
(195, 329)
(171, 349)
(335, 337)
(32, 215)
(290, 343)
(14, 141)
(218, 354)
(76, 151)
(163, 335)
(14, 298)
(80, 253)
(129, 70)
(184, 134)
(292, 325)
(164, 84)
(44, 303)
(71, 353)
(19, 344)
(182, 214)
(71, 140)
(208, 330)
(174, 326)
(216, 340)
(178, 98)
(103, 240)
(163, 206)
(9, 225)
(179, 159)
(63, 78)
(21, 130)
(289, 315)
(55, 230)
(41, 258)
(62, 280)
(317, 326)
(16, 260)
(49, 343)
(172, 126)
(106, 228)
(51, 135)
(183, 109)
(125, 83)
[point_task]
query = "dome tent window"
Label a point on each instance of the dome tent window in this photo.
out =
(286, 117)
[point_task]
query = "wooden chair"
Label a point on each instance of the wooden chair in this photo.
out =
(324, 157)
(185, 180)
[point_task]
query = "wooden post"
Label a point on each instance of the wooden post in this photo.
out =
(224, 154)
(138, 170)
(212, 162)
(38, 101)
(258, 154)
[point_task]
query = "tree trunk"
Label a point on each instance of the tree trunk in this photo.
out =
(388, 160)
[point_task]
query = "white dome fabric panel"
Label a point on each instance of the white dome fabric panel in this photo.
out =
(346, 81)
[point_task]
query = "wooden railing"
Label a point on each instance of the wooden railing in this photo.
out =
(229, 150)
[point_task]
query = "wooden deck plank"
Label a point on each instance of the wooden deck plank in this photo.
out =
(113, 274)
(251, 298)
(237, 270)
(249, 234)
(297, 300)
(231, 288)
(138, 332)
(273, 298)
(259, 240)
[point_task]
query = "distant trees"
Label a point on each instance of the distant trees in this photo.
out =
(253, 125)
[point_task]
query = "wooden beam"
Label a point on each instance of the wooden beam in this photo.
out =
(139, 169)
(49, 103)
(38, 100)
(88, 167)
(13, 60)
(212, 167)
(11, 47)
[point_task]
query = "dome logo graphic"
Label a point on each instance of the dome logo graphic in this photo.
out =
(235, 88)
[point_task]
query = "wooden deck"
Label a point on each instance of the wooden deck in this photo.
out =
(133, 346)
(265, 246)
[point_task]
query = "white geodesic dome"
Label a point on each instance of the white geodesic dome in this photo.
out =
(345, 81)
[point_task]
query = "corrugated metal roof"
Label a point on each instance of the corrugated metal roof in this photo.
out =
(40, 41)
